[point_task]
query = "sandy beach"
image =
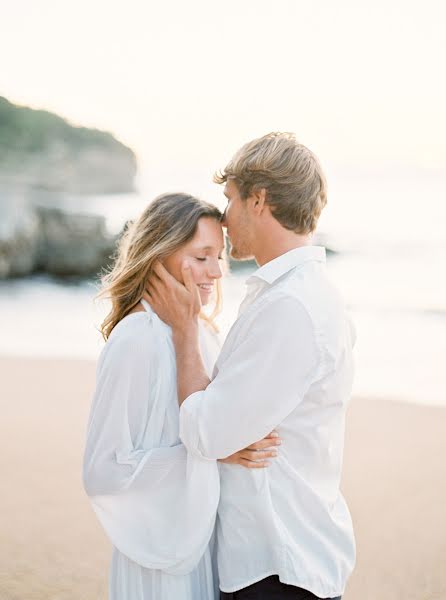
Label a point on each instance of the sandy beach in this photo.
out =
(53, 549)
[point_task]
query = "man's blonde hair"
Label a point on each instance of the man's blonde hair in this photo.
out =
(290, 173)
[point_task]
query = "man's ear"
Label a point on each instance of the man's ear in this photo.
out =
(258, 200)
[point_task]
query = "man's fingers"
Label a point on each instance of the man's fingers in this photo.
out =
(156, 290)
(151, 292)
(163, 274)
(156, 283)
(186, 272)
(189, 282)
(164, 283)
(153, 296)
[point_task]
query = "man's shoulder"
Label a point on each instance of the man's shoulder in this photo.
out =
(295, 299)
(277, 308)
(275, 298)
(313, 291)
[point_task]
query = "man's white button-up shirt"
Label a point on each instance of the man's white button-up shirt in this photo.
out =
(286, 364)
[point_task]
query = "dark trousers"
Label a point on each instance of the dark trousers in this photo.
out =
(271, 588)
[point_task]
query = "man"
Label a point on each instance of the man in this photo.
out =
(282, 532)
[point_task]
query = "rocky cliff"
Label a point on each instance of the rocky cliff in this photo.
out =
(42, 155)
(39, 238)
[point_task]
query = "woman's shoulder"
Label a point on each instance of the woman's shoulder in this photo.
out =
(132, 327)
(134, 336)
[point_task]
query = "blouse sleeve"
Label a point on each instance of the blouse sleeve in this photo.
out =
(157, 504)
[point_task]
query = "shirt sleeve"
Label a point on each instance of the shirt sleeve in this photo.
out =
(156, 504)
(115, 459)
(276, 360)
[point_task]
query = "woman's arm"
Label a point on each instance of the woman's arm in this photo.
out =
(156, 504)
(125, 399)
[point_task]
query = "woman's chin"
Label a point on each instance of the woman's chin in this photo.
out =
(204, 297)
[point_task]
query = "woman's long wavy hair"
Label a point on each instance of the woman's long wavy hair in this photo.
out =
(168, 223)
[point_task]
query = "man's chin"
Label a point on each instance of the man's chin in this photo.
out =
(236, 254)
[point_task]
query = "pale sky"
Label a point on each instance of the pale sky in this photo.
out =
(186, 83)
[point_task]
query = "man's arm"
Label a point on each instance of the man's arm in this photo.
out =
(179, 306)
(191, 374)
(259, 383)
(262, 381)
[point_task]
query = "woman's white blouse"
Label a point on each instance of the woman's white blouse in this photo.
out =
(156, 502)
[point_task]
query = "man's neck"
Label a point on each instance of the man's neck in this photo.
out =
(277, 245)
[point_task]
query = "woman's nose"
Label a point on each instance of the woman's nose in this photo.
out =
(214, 270)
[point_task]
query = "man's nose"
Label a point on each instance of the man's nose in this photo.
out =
(223, 220)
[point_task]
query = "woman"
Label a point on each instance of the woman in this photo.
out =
(156, 502)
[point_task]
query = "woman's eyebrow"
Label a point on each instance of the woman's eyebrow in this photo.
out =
(209, 247)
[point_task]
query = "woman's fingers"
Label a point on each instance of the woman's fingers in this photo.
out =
(252, 459)
(265, 443)
(249, 464)
(256, 455)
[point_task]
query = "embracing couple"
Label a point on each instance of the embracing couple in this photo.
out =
(215, 470)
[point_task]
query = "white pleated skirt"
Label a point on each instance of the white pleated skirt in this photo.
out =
(130, 581)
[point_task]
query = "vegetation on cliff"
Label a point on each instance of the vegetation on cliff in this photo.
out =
(41, 149)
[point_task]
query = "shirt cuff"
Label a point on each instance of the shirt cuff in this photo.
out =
(190, 411)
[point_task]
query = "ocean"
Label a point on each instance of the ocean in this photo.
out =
(388, 231)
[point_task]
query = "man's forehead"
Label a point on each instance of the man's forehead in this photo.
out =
(230, 185)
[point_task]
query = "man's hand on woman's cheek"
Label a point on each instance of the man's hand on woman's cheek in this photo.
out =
(176, 304)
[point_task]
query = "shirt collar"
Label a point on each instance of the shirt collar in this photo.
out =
(272, 270)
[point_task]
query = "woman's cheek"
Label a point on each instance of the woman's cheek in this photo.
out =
(196, 272)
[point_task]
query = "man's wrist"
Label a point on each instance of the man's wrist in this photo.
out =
(188, 332)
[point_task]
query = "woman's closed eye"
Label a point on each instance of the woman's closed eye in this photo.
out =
(204, 258)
